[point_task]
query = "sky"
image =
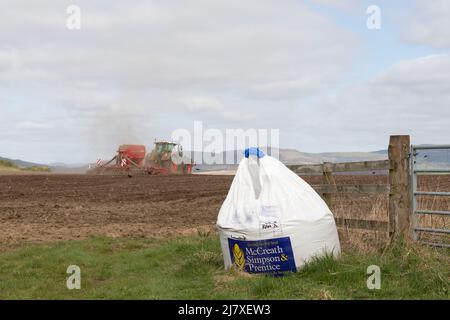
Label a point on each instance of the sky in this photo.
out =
(137, 71)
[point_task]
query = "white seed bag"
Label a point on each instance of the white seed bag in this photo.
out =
(272, 221)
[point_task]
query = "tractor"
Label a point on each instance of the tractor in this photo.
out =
(166, 158)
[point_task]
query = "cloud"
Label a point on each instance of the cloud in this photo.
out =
(289, 89)
(346, 5)
(206, 108)
(196, 104)
(32, 125)
(130, 65)
(429, 24)
(410, 97)
(225, 45)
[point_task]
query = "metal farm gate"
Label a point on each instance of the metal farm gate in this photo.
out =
(419, 232)
(414, 173)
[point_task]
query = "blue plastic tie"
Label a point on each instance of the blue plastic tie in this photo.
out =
(254, 152)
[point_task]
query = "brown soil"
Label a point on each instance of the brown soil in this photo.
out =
(47, 208)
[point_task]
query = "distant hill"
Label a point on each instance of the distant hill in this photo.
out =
(287, 156)
(23, 164)
(434, 156)
(292, 156)
(32, 166)
(11, 166)
(67, 165)
(381, 152)
(296, 157)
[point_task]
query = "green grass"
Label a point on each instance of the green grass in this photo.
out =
(192, 268)
(37, 169)
(10, 166)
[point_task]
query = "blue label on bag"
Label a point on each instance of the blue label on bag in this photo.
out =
(272, 256)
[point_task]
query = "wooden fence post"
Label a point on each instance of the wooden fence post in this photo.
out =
(327, 179)
(400, 186)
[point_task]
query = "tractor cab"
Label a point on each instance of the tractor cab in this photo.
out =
(163, 150)
(162, 153)
(162, 147)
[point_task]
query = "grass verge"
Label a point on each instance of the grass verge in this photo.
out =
(192, 268)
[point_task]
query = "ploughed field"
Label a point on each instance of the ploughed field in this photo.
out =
(61, 207)
(45, 208)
